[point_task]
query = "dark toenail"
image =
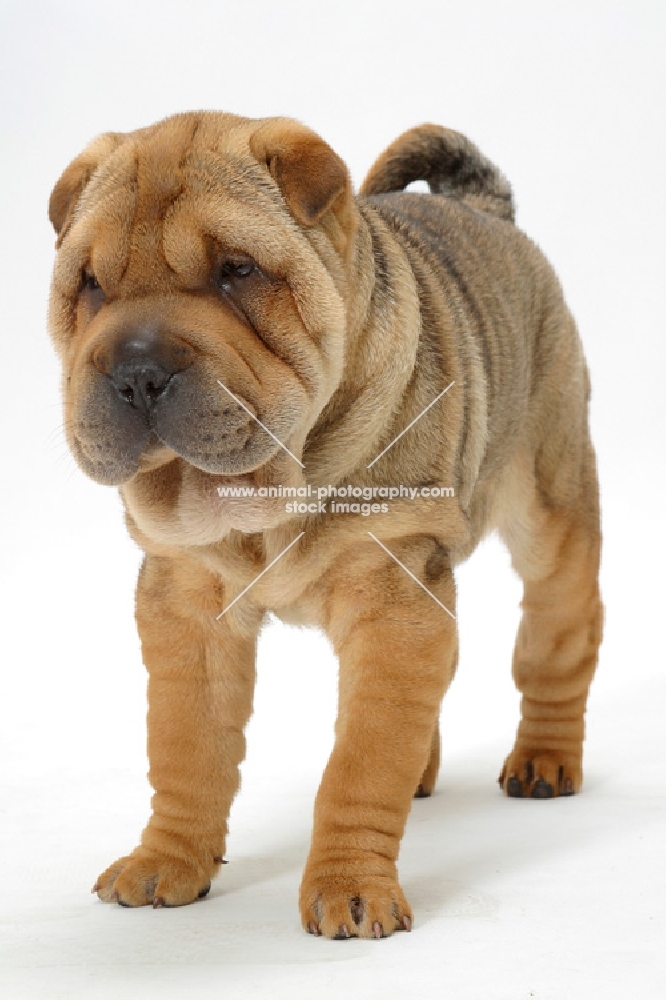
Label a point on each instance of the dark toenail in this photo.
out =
(204, 891)
(542, 790)
(219, 860)
(529, 772)
(421, 793)
(121, 902)
(514, 788)
(159, 902)
(356, 909)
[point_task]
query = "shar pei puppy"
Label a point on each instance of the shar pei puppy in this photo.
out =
(245, 341)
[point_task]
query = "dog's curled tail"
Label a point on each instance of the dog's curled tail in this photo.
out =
(449, 162)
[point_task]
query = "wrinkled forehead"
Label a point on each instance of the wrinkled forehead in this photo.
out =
(168, 190)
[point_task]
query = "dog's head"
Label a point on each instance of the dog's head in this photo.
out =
(198, 303)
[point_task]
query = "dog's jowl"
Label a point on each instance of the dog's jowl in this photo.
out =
(317, 402)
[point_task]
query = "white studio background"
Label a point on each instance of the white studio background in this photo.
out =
(512, 899)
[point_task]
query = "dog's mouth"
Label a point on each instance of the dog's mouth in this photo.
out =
(170, 496)
(156, 454)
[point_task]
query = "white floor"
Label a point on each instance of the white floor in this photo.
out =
(513, 898)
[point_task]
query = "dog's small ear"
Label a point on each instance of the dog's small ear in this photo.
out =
(310, 175)
(70, 186)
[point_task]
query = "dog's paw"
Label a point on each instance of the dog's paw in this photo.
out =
(148, 878)
(338, 907)
(540, 774)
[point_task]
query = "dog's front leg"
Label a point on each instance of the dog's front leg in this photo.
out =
(397, 649)
(200, 687)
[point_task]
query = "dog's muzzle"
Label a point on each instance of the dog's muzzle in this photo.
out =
(148, 389)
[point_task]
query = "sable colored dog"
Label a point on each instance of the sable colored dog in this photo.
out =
(228, 313)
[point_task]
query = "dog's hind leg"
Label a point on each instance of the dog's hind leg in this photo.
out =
(555, 548)
(426, 785)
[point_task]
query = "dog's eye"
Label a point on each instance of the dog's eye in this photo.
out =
(89, 282)
(233, 269)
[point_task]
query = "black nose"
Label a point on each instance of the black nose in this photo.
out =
(140, 381)
(141, 365)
